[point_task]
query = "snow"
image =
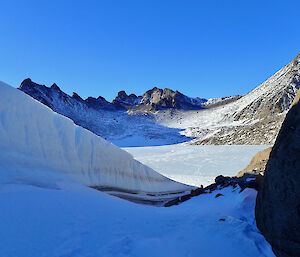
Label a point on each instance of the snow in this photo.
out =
(78, 221)
(34, 139)
(276, 92)
(196, 164)
(47, 210)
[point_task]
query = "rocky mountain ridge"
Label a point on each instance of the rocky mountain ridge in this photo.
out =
(154, 99)
(109, 120)
(253, 118)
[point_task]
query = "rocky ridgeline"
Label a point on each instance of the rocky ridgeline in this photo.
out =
(54, 97)
(154, 99)
(254, 118)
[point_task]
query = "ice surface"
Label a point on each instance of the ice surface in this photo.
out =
(34, 139)
(196, 165)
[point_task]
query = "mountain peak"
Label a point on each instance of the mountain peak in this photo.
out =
(76, 96)
(55, 87)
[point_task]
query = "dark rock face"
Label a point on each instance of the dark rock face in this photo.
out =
(167, 98)
(154, 99)
(278, 201)
(127, 100)
(53, 97)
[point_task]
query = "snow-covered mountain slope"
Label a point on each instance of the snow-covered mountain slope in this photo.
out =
(161, 117)
(36, 140)
(77, 221)
(110, 121)
(254, 118)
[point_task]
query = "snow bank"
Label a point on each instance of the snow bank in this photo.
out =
(34, 140)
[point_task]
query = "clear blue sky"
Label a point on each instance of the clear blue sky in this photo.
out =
(201, 48)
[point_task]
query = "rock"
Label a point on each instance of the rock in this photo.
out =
(220, 180)
(184, 198)
(197, 191)
(278, 202)
(257, 164)
(218, 195)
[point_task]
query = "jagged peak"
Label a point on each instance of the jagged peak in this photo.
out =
(28, 80)
(133, 95)
(101, 98)
(76, 96)
(122, 93)
(54, 86)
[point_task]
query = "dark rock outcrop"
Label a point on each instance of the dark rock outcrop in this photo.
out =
(169, 99)
(126, 100)
(246, 181)
(53, 97)
(278, 201)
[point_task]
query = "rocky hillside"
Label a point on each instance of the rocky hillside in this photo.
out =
(257, 164)
(278, 202)
(253, 118)
(109, 120)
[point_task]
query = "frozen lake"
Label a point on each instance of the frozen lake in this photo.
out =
(196, 164)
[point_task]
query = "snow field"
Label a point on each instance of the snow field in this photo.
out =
(78, 221)
(196, 165)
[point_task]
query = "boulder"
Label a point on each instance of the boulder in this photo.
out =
(278, 202)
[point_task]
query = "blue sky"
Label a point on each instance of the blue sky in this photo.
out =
(201, 48)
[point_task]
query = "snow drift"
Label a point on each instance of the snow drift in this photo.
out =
(34, 139)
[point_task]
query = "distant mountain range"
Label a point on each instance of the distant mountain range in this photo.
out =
(154, 99)
(164, 116)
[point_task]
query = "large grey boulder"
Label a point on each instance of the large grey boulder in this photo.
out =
(278, 201)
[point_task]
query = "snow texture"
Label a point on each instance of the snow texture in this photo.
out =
(36, 140)
(47, 211)
(78, 221)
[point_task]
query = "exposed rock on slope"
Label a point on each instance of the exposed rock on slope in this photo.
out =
(110, 121)
(278, 201)
(167, 98)
(258, 163)
(126, 100)
(54, 97)
(254, 118)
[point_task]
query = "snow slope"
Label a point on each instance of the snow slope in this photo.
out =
(196, 164)
(80, 222)
(35, 140)
(110, 121)
(254, 118)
